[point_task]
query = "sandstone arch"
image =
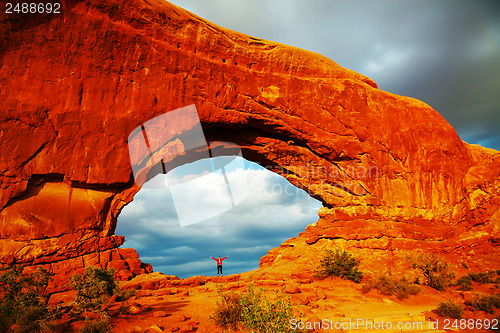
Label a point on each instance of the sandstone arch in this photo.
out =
(73, 88)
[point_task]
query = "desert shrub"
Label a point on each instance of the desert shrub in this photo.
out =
(24, 300)
(255, 312)
(437, 274)
(339, 263)
(450, 309)
(97, 325)
(485, 303)
(464, 283)
(388, 285)
(365, 288)
(228, 311)
(123, 295)
(263, 315)
(92, 289)
(483, 277)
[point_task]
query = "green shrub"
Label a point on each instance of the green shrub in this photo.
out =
(464, 283)
(98, 325)
(229, 309)
(255, 312)
(123, 295)
(483, 277)
(386, 284)
(92, 289)
(450, 309)
(339, 263)
(485, 303)
(437, 274)
(24, 300)
(263, 315)
(365, 288)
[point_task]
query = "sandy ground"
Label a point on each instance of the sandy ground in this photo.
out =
(166, 304)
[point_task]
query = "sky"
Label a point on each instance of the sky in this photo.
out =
(163, 225)
(445, 53)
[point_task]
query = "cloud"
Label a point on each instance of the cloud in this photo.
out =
(273, 210)
(444, 53)
(387, 58)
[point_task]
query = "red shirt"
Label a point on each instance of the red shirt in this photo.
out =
(219, 261)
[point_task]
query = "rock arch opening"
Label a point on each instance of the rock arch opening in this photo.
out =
(177, 228)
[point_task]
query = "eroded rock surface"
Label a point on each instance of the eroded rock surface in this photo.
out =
(393, 175)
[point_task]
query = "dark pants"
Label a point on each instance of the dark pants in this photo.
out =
(219, 269)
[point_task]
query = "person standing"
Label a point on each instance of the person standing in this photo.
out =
(219, 264)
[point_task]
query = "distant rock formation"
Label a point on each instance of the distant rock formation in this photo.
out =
(393, 175)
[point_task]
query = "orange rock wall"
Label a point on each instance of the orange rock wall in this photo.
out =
(74, 85)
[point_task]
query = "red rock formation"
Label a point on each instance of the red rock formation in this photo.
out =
(393, 173)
